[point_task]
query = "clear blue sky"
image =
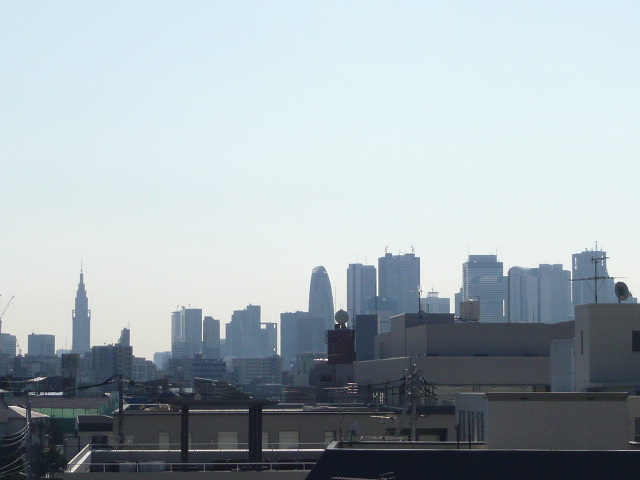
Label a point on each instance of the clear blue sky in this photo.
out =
(212, 153)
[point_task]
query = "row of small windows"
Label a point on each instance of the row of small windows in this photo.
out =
(287, 439)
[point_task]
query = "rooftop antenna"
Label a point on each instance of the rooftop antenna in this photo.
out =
(595, 277)
(419, 292)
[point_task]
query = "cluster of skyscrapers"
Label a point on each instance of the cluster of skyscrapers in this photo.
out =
(547, 293)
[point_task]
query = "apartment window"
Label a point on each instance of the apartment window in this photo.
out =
(98, 441)
(163, 441)
(289, 439)
(635, 341)
(265, 439)
(228, 440)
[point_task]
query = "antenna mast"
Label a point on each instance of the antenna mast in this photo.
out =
(595, 277)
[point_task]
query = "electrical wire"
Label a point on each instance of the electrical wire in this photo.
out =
(11, 436)
(15, 470)
(17, 442)
(4, 470)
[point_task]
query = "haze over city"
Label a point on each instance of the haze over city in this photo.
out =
(212, 154)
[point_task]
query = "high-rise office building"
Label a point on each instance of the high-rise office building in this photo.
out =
(320, 297)
(299, 333)
(483, 280)
(41, 344)
(8, 344)
(125, 337)
(590, 279)
(540, 294)
(110, 360)
(399, 281)
(186, 332)
(210, 338)
(81, 340)
(247, 337)
(434, 303)
(361, 288)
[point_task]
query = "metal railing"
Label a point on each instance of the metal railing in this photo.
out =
(229, 466)
(214, 446)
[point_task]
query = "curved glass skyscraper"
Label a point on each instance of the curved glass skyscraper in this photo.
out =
(320, 297)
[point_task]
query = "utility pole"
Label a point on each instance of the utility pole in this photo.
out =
(29, 444)
(413, 388)
(121, 410)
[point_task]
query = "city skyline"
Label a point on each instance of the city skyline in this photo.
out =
(155, 344)
(189, 153)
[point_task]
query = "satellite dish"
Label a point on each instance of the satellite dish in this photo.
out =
(341, 317)
(622, 291)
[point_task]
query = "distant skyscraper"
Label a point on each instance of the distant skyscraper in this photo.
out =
(186, 332)
(110, 360)
(540, 294)
(585, 266)
(433, 303)
(41, 344)
(81, 340)
(361, 288)
(320, 297)
(399, 281)
(125, 337)
(299, 333)
(483, 280)
(211, 338)
(247, 337)
(8, 345)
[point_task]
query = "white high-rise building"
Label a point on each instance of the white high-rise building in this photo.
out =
(539, 295)
(590, 279)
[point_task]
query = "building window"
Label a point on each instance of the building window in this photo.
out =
(265, 439)
(289, 439)
(635, 341)
(228, 440)
(163, 441)
(98, 441)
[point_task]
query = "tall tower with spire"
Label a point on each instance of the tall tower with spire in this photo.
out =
(81, 320)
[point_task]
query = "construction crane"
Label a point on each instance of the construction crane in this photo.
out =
(3, 311)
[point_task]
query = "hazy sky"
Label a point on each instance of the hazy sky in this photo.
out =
(212, 153)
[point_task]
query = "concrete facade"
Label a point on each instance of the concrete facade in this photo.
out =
(606, 355)
(470, 373)
(413, 334)
(311, 428)
(547, 421)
